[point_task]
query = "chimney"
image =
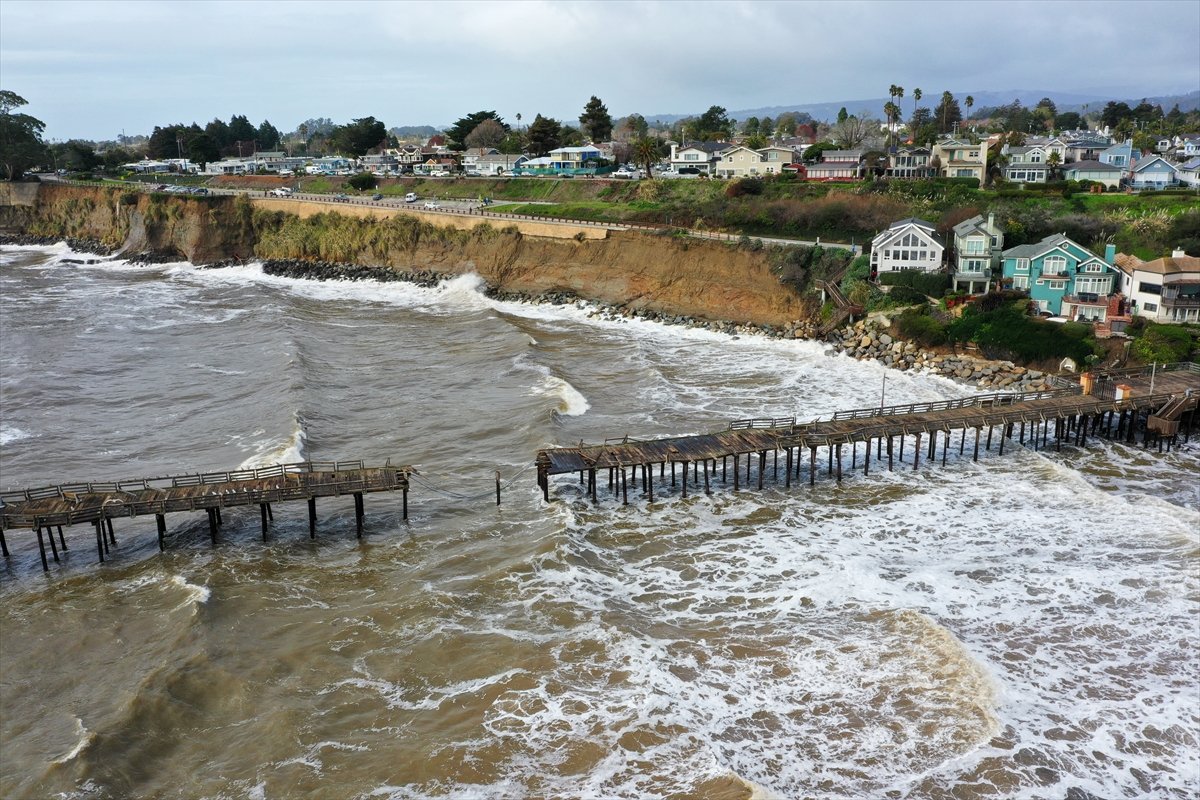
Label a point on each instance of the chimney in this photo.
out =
(991, 222)
(1178, 253)
(1110, 254)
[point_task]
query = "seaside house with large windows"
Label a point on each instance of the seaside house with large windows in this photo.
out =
(1162, 290)
(1063, 277)
(907, 244)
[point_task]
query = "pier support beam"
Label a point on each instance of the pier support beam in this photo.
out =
(53, 546)
(978, 431)
(735, 471)
(812, 466)
(917, 453)
(3, 545)
(762, 468)
(787, 475)
(262, 510)
(42, 550)
(838, 458)
(212, 524)
(160, 521)
(99, 539)
(685, 476)
(312, 517)
(867, 459)
(358, 514)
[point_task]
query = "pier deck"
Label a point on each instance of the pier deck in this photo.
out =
(99, 503)
(1173, 391)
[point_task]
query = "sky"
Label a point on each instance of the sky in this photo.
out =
(96, 69)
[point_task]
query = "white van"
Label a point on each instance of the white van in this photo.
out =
(282, 191)
(411, 197)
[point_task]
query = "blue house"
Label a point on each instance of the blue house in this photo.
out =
(1063, 277)
(1119, 155)
(1155, 173)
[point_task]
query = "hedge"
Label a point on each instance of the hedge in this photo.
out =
(934, 284)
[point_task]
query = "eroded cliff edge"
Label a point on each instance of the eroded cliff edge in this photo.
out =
(666, 274)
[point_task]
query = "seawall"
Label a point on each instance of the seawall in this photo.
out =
(707, 280)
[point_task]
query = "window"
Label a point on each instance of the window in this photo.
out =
(691, 156)
(1022, 265)
(1021, 282)
(1057, 286)
(975, 246)
(1092, 285)
(1149, 288)
(1094, 268)
(1149, 306)
(1054, 265)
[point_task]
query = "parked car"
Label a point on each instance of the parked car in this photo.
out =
(341, 196)
(282, 191)
(432, 205)
(411, 197)
(377, 196)
(622, 173)
(440, 173)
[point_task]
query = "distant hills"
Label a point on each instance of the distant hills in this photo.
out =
(1065, 101)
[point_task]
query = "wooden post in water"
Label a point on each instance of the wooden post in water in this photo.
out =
(962, 442)
(812, 465)
(978, 431)
(54, 547)
(762, 468)
(867, 459)
(891, 457)
(42, 550)
(312, 517)
(787, 476)
(160, 521)
(358, 515)
(610, 483)
(592, 485)
(829, 467)
(3, 545)
(404, 498)
(902, 448)
(1002, 438)
(111, 536)
(99, 539)
(707, 490)
(735, 471)
(775, 466)
(988, 446)
(839, 462)
(724, 469)
(650, 483)
(917, 452)
(270, 513)
(853, 455)
(212, 524)
(262, 510)
(945, 446)
(624, 487)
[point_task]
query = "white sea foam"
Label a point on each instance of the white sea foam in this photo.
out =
(85, 738)
(571, 403)
(194, 595)
(272, 451)
(11, 433)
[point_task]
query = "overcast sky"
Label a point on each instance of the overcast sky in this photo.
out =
(94, 69)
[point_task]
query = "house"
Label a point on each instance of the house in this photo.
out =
(1189, 147)
(1189, 174)
(977, 248)
(1118, 155)
(1085, 149)
(1154, 172)
(954, 157)
(381, 162)
(493, 164)
(910, 162)
(1063, 277)
(231, 165)
(697, 155)
(1162, 290)
(1027, 172)
(575, 160)
(908, 244)
(837, 165)
(1094, 171)
(776, 158)
(739, 162)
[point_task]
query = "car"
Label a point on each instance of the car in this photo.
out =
(411, 197)
(377, 196)
(432, 205)
(341, 196)
(622, 173)
(282, 191)
(441, 173)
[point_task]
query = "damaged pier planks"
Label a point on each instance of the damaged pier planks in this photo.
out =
(1157, 400)
(99, 503)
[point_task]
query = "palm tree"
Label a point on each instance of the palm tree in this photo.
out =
(916, 99)
(895, 92)
(518, 121)
(893, 112)
(645, 151)
(969, 101)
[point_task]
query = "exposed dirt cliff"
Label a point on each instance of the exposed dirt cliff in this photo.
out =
(674, 275)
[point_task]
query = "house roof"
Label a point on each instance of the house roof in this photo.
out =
(920, 223)
(707, 147)
(1143, 164)
(1168, 265)
(1051, 242)
(575, 150)
(842, 155)
(969, 226)
(1091, 166)
(1192, 165)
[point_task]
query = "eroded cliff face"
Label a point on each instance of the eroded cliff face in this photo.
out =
(673, 275)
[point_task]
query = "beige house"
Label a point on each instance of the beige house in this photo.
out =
(1163, 290)
(959, 158)
(739, 162)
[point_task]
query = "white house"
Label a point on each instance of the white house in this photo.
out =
(960, 158)
(1154, 172)
(703, 156)
(1189, 174)
(907, 244)
(837, 165)
(1163, 290)
(493, 164)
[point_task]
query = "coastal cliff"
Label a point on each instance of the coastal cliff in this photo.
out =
(666, 274)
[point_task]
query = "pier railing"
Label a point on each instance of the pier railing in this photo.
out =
(68, 490)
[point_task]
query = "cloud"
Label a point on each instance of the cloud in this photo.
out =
(89, 69)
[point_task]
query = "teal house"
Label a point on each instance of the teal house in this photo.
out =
(1063, 277)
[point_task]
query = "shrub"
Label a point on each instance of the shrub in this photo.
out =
(934, 284)
(744, 186)
(1163, 344)
(363, 181)
(917, 325)
(906, 294)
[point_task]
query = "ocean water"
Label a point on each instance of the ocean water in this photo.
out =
(1021, 627)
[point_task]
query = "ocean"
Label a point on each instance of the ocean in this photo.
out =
(1021, 627)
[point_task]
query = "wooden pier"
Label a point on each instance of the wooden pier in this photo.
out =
(52, 507)
(1160, 402)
